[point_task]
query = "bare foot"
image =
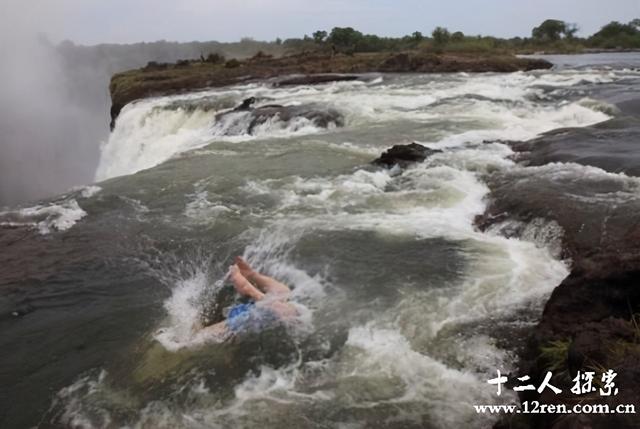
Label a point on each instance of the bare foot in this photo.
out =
(244, 267)
(242, 285)
(236, 277)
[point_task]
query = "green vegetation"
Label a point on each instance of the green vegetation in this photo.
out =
(232, 64)
(621, 348)
(346, 50)
(555, 355)
(349, 40)
(552, 36)
(617, 35)
(554, 30)
(441, 36)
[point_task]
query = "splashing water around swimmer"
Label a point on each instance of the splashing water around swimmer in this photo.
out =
(404, 307)
(269, 301)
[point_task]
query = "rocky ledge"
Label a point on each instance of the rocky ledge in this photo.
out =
(164, 79)
(591, 321)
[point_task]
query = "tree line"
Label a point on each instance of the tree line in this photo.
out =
(552, 34)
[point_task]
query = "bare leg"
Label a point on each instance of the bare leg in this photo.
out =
(242, 285)
(218, 329)
(283, 309)
(265, 283)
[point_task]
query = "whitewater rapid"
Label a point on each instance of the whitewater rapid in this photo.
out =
(388, 260)
(149, 132)
(60, 214)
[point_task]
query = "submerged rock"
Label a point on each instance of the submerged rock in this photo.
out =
(404, 155)
(317, 115)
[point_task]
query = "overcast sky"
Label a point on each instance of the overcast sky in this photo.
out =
(125, 21)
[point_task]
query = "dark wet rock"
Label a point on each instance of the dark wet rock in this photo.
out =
(319, 116)
(404, 155)
(596, 212)
(591, 313)
(613, 145)
(247, 104)
(315, 79)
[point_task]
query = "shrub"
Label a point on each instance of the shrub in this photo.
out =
(261, 56)
(440, 36)
(232, 64)
(319, 36)
(154, 65)
(215, 58)
(344, 37)
(551, 29)
(458, 36)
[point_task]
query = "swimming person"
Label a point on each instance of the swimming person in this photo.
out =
(271, 295)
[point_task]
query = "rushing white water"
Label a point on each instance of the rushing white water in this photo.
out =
(58, 215)
(151, 131)
(435, 199)
(422, 357)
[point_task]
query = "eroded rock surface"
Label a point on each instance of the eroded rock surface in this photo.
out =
(591, 320)
(404, 155)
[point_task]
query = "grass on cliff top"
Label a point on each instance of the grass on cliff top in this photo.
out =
(165, 78)
(189, 75)
(125, 81)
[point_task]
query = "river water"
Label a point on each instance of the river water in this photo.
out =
(406, 309)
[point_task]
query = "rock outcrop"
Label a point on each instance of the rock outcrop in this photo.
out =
(590, 322)
(303, 69)
(612, 146)
(404, 155)
(252, 117)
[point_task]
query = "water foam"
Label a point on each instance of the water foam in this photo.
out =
(183, 311)
(434, 348)
(59, 216)
(149, 132)
(86, 191)
(146, 135)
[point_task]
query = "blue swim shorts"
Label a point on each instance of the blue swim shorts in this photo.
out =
(239, 316)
